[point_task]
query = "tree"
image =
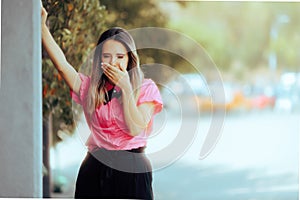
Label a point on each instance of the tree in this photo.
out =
(75, 25)
(131, 14)
(237, 34)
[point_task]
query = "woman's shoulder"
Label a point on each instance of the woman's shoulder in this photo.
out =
(150, 93)
(84, 77)
(149, 85)
(148, 82)
(85, 80)
(85, 83)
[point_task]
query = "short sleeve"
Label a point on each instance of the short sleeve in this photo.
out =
(150, 93)
(84, 87)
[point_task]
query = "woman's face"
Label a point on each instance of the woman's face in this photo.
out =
(115, 53)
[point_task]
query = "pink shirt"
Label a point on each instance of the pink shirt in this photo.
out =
(107, 124)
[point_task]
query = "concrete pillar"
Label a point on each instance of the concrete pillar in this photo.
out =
(20, 100)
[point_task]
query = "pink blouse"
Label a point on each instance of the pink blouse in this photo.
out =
(107, 124)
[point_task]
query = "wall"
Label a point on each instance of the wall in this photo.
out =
(20, 100)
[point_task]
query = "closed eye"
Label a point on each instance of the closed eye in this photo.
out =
(106, 55)
(120, 56)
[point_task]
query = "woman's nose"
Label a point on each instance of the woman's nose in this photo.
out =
(113, 61)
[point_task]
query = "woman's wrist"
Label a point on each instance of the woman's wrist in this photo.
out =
(44, 27)
(126, 86)
(127, 90)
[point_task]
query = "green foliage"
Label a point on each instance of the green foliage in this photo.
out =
(237, 34)
(76, 26)
(131, 14)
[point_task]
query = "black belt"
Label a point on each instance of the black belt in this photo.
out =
(137, 150)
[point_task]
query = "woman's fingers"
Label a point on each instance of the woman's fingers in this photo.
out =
(109, 71)
(119, 67)
(108, 67)
(114, 73)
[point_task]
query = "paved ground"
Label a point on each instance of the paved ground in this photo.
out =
(256, 158)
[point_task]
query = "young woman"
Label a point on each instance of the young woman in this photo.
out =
(119, 105)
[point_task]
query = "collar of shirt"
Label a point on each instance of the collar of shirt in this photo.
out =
(110, 86)
(113, 91)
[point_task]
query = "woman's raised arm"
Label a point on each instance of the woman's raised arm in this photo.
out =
(67, 71)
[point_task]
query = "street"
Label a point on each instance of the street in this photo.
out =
(256, 157)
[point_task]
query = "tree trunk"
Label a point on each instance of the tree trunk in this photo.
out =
(47, 138)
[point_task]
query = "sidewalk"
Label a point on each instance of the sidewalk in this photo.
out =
(256, 158)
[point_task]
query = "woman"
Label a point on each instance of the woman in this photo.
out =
(119, 105)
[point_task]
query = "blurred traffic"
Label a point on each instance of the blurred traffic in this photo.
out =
(192, 91)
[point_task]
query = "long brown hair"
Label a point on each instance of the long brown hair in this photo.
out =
(97, 90)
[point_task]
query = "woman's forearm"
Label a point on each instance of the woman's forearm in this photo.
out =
(136, 117)
(55, 53)
(59, 60)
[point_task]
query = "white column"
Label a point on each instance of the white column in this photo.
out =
(20, 100)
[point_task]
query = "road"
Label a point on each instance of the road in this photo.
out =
(255, 158)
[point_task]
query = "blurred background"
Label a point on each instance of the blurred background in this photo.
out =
(255, 47)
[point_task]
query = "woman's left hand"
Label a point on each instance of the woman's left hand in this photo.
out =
(116, 74)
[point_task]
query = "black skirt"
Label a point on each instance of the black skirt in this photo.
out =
(115, 175)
